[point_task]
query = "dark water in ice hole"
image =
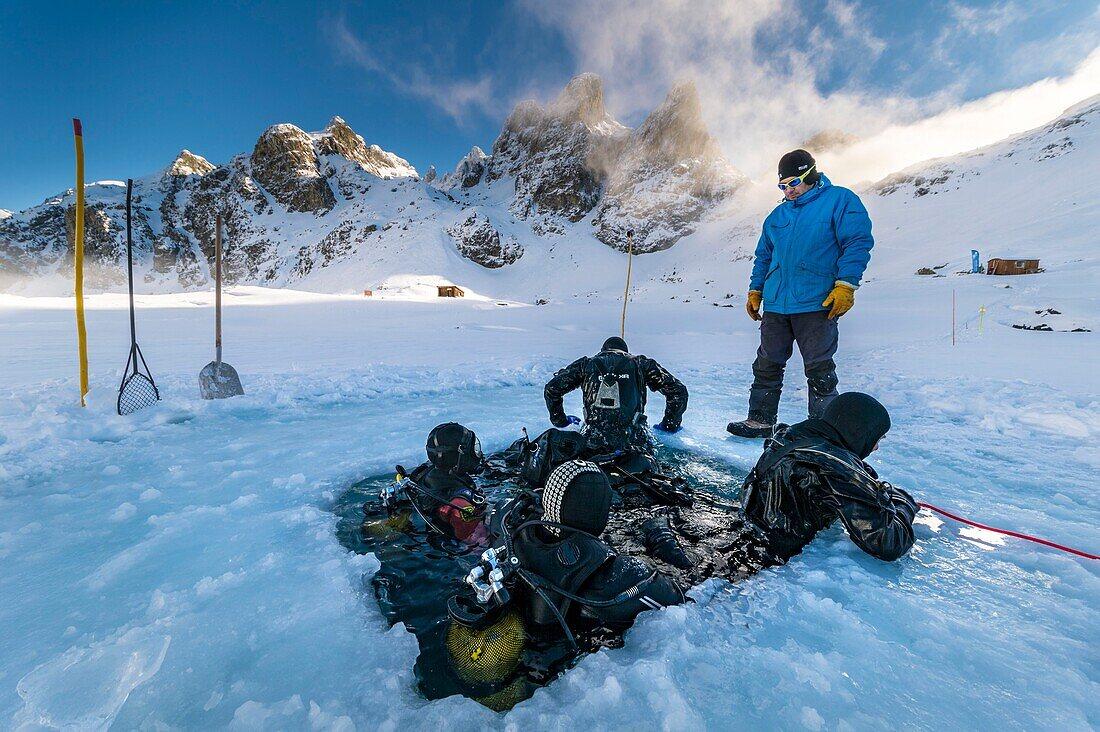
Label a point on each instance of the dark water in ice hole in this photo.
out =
(420, 570)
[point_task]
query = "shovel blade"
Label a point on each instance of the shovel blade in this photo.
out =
(219, 381)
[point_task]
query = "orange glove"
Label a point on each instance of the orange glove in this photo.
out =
(842, 298)
(752, 304)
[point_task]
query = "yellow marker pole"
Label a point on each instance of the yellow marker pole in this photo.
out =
(981, 318)
(626, 294)
(78, 245)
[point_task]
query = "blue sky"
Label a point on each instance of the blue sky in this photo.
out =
(429, 79)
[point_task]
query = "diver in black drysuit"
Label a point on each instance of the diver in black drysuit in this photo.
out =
(442, 491)
(810, 475)
(814, 473)
(571, 574)
(613, 384)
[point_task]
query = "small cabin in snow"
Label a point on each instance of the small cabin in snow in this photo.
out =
(451, 291)
(1012, 266)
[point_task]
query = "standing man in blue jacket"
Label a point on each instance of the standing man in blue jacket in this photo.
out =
(812, 252)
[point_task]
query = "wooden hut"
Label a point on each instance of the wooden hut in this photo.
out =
(1012, 266)
(451, 291)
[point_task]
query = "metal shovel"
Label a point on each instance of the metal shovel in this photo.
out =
(218, 380)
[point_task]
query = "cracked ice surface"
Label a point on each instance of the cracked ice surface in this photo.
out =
(179, 567)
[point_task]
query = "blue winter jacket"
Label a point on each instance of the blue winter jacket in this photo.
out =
(807, 245)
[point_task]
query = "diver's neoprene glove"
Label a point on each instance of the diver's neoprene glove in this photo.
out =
(561, 421)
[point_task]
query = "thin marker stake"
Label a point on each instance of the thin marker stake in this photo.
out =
(626, 293)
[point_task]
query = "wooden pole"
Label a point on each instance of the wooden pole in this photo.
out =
(626, 293)
(218, 293)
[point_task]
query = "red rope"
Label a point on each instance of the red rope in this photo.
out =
(1025, 537)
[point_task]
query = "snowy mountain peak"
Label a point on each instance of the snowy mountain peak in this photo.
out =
(581, 101)
(558, 156)
(676, 131)
(285, 163)
(467, 173)
(188, 163)
(340, 139)
(670, 176)
(4, 213)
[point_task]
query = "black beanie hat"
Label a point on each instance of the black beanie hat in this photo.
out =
(859, 419)
(615, 343)
(577, 494)
(795, 163)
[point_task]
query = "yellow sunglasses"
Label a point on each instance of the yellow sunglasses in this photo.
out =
(797, 181)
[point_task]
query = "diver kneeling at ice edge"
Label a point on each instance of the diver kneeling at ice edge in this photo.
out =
(813, 473)
(553, 566)
(442, 491)
(613, 385)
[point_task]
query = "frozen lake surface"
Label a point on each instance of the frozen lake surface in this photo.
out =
(180, 567)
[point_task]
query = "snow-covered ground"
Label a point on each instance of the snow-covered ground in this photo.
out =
(179, 568)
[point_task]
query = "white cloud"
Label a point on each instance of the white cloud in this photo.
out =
(456, 98)
(758, 65)
(990, 20)
(965, 127)
(760, 97)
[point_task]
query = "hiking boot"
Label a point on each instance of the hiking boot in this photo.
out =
(750, 428)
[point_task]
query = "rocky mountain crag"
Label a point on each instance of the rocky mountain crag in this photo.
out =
(301, 202)
(571, 160)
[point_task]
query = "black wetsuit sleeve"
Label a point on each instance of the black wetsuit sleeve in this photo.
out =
(878, 517)
(563, 382)
(657, 378)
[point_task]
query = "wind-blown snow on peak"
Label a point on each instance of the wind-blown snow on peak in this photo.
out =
(301, 203)
(4, 213)
(675, 131)
(581, 101)
(572, 158)
(669, 177)
(556, 157)
(830, 140)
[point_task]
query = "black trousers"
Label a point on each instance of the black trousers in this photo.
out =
(816, 336)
